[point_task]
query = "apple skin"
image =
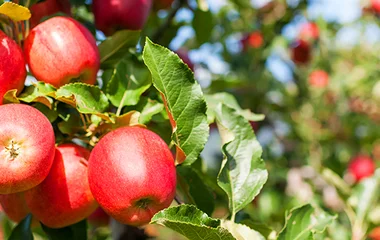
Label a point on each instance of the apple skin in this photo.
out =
(26, 147)
(361, 166)
(132, 175)
(60, 50)
(99, 218)
(47, 8)
(14, 206)
(184, 55)
(64, 197)
(301, 52)
(375, 5)
(252, 40)
(113, 15)
(309, 31)
(374, 234)
(12, 66)
(319, 79)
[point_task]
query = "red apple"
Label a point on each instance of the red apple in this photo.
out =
(184, 55)
(12, 66)
(64, 197)
(252, 40)
(162, 4)
(319, 79)
(301, 52)
(113, 15)
(132, 175)
(99, 218)
(14, 206)
(374, 234)
(376, 5)
(60, 50)
(309, 31)
(361, 166)
(47, 8)
(26, 147)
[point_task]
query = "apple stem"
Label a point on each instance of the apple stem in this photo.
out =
(143, 203)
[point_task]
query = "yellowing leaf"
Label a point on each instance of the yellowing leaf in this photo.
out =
(15, 12)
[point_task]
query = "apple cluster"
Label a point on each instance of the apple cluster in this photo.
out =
(130, 174)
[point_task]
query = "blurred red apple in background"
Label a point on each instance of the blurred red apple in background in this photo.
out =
(64, 197)
(318, 78)
(14, 206)
(375, 234)
(184, 55)
(252, 40)
(361, 166)
(99, 218)
(132, 175)
(309, 32)
(47, 8)
(162, 4)
(26, 147)
(113, 15)
(376, 5)
(60, 50)
(300, 52)
(12, 66)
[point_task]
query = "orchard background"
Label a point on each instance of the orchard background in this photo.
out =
(278, 137)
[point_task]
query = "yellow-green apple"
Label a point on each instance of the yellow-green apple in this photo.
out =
(27, 146)
(60, 50)
(64, 197)
(113, 15)
(99, 218)
(12, 66)
(361, 166)
(132, 175)
(319, 79)
(47, 8)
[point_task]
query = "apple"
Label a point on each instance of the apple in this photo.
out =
(309, 31)
(99, 218)
(252, 40)
(14, 206)
(319, 79)
(374, 234)
(162, 4)
(47, 8)
(361, 166)
(26, 147)
(376, 5)
(64, 197)
(184, 55)
(132, 175)
(60, 50)
(301, 52)
(113, 15)
(12, 66)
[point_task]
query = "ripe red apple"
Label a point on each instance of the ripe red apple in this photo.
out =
(184, 55)
(99, 218)
(132, 175)
(319, 79)
(301, 52)
(376, 5)
(113, 15)
(12, 66)
(14, 206)
(64, 197)
(47, 8)
(60, 50)
(309, 31)
(361, 166)
(374, 234)
(26, 147)
(162, 4)
(252, 40)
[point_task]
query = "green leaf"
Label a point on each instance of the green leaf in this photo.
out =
(243, 173)
(85, 98)
(241, 231)
(183, 99)
(259, 227)
(230, 101)
(77, 231)
(127, 84)
(203, 24)
(192, 223)
(114, 48)
(301, 223)
(147, 108)
(52, 115)
(22, 230)
(197, 190)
